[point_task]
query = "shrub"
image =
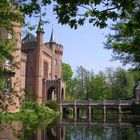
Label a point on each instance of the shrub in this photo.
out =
(53, 105)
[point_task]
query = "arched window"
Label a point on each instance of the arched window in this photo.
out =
(55, 62)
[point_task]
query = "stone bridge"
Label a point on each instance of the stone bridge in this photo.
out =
(76, 105)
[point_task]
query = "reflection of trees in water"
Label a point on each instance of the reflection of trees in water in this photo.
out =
(24, 131)
(99, 133)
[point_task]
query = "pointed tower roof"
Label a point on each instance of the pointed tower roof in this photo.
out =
(52, 38)
(40, 26)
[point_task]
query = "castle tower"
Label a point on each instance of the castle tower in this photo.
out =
(39, 63)
(57, 51)
(52, 46)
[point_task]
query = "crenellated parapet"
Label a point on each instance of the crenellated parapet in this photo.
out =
(59, 49)
(56, 49)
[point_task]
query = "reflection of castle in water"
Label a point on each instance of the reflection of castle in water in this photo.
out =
(87, 131)
(80, 130)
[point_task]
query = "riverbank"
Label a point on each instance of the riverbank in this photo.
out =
(32, 113)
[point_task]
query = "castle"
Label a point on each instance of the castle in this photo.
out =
(39, 69)
(42, 65)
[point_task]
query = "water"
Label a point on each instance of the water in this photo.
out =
(127, 128)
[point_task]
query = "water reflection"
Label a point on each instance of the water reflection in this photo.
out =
(10, 130)
(69, 130)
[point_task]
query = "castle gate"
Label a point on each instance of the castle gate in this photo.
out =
(54, 90)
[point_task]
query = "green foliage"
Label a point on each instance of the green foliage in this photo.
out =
(53, 105)
(122, 84)
(125, 42)
(136, 74)
(67, 74)
(31, 112)
(83, 78)
(97, 12)
(112, 84)
(99, 87)
(32, 117)
(89, 85)
(75, 13)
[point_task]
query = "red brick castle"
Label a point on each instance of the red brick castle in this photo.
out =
(41, 67)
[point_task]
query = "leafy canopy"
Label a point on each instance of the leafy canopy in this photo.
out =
(125, 42)
(76, 12)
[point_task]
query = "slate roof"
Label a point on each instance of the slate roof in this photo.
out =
(29, 38)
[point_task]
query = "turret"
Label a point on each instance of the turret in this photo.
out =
(57, 51)
(39, 61)
(40, 32)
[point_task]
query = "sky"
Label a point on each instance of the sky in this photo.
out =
(82, 47)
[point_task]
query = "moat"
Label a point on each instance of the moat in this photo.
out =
(124, 127)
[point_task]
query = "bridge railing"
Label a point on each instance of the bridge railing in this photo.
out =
(125, 102)
(97, 102)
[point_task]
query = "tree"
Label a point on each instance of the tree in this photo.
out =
(121, 83)
(99, 87)
(125, 42)
(96, 12)
(75, 13)
(83, 79)
(67, 74)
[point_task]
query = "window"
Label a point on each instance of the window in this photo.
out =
(45, 69)
(55, 62)
(7, 86)
(55, 77)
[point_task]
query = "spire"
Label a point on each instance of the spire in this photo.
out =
(52, 38)
(40, 26)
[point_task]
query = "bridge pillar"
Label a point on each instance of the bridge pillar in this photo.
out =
(89, 113)
(119, 109)
(61, 109)
(120, 118)
(104, 113)
(75, 113)
(61, 112)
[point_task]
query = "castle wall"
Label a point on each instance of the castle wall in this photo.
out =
(31, 70)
